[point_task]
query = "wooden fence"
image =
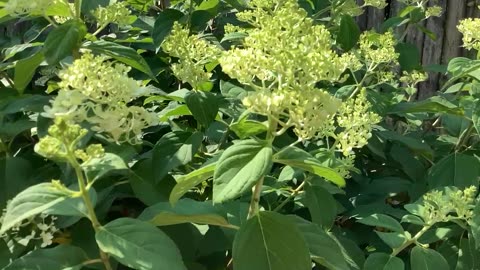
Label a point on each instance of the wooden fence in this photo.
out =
(448, 42)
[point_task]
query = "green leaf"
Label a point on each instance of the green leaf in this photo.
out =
(392, 239)
(5, 254)
(458, 170)
(432, 105)
(121, 53)
(382, 261)
(73, 206)
(383, 221)
(475, 224)
(476, 117)
(186, 182)
(96, 168)
(63, 40)
(62, 257)
(185, 211)
(297, 158)
(323, 248)
(173, 150)
(270, 241)
(245, 128)
(409, 57)
(139, 245)
(30, 202)
(25, 70)
(468, 255)
(348, 34)
(239, 168)
(178, 110)
(203, 105)
(427, 259)
(164, 23)
(321, 205)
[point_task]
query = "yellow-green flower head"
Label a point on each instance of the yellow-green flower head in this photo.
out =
(380, 4)
(309, 111)
(193, 53)
(349, 7)
(284, 48)
(433, 11)
(378, 48)
(413, 78)
(471, 36)
(99, 79)
(357, 121)
(97, 91)
(21, 7)
(115, 13)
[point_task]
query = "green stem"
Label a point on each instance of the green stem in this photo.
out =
(464, 137)
(88, 204)
(255, 201)
(78, 8)
(289, 198)
(52, 22)
(414, 240)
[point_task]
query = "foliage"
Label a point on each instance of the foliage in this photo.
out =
(208, 134)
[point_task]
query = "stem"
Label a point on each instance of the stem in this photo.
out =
(289, 198)
(78, 8)
(99, 29)
(254, 203)
(414, 240)
(464, 137)
(88, 204)
(52, 22)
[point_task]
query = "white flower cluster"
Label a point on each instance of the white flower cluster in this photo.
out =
(40, 229)
(22, 7)
(97, 91)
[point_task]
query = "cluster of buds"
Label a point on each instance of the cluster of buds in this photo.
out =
(449, 204)
(471, 37)
(115, 13)
(193, 54)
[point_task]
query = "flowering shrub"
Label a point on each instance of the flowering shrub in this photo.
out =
(261, 134)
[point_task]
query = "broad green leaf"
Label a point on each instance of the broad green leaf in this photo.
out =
(245, 128)
(413, 220)
(173, 150)
(392, 239)
(62, 257)
(15, 176)
(96, 168)
(5, 254)
(321, 205)
(475, 224)
(121, 53)
(203, 105)
(383, 221)
(468, 255)
(73, 206)
(23, 103)
(409, 57)
(415, 144)
(164, 23)
(144, 186)
(186, 182)
(30, 202)
(348, 34)
(434, 104)
(12, 51)
(178, 110)
(239, 168)
(382, 261)
(476, 117)
(185, 211)
(63, 40)
(458, 170)
(323, 248)
(139, 245)
(427, 259)
(25, 70)
(270, 241)
(297, 158)
(230, 90)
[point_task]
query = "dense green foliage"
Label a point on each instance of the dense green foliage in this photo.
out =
(233, 134)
